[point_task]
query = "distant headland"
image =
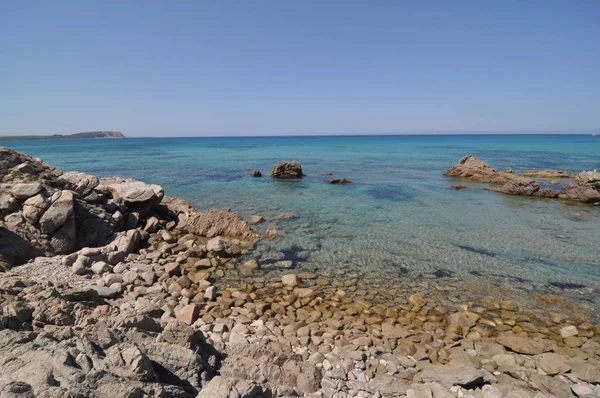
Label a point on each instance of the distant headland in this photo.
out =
(88, 135)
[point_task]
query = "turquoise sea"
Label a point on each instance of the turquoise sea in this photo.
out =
(399, 218)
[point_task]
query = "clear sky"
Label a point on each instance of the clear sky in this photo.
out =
(255, 67)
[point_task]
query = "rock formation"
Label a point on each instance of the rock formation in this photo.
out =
(524, 187)
(474, 169)
(548, 173)
(57, 212)
(256, 173)
(585, 187)
(287, 170)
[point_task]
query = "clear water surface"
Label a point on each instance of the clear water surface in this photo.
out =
(400, 215)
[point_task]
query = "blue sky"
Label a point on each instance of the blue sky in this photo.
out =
(177, 68)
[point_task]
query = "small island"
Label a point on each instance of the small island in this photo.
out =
(87, 136)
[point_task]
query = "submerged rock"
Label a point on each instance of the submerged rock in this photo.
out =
(548, 173)
(339, 181)
(287, 170)
(524, 187)
(256, 173)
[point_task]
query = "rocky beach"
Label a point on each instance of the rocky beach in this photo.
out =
(110, 288)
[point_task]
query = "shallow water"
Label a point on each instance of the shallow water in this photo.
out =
(400, 216)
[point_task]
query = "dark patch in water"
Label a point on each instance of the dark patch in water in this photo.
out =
(397, 194)
(567, 285)
(476, 273)
(478, 251)
(402, 270)
(443, 273)
(294, 253)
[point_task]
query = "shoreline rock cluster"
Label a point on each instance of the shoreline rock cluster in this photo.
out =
(584, 187)
(142, 313)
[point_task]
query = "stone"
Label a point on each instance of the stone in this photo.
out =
(211, 293)
(214, 223)
(585, 188)
(248, 267)
(587, 371)
(569, 331)
(524, 187)
(286, 169)
(81, 183)
(489, 391)
(139, 197)
(417, 300)
(547, 173)
(129, 361)
(229, 387)
(256, 173)
(180, 333)
(58, 212)
(290, 280)
(257, 219)
(338, 181)
(521, 345)
(474, 169)
(553, 364)
(188, 313)
(451, 375)
(419, 391)
(581, 390)
(26, 190)
(100, 267)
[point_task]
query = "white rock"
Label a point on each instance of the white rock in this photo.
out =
(568, 331)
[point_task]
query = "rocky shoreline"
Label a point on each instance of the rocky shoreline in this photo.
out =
(583, 188)
(114, 290)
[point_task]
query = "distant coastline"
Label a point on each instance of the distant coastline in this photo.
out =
(90, 135)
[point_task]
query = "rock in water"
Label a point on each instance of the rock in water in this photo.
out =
(475, 169)
(256, 173)
(548, 173)
(214, 223)
(287, 170)
(525, 187)
(584, 188)
(339, 181)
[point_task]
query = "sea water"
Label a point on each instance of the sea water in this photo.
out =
(399, 217)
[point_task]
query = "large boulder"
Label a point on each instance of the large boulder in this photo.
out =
(584, 188)
(214, 223)
(58, 212)
(475, 169)
(81, 183)
(137, 196)
(287, 170)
